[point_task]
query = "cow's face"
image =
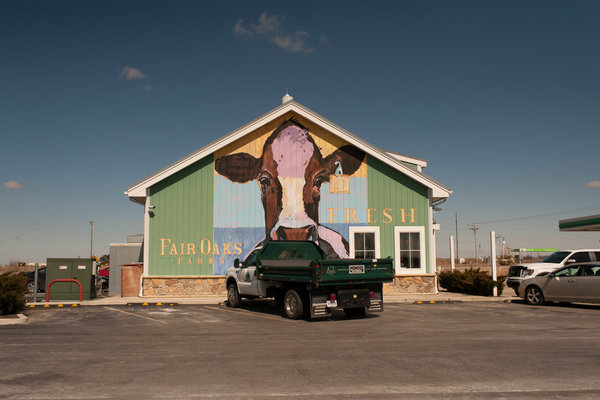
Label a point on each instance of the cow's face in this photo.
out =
(290, 173)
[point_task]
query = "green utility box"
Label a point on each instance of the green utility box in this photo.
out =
(80, 269)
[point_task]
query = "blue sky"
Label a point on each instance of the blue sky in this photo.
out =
(501, 99)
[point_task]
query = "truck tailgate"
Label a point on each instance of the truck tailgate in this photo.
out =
(339, 272)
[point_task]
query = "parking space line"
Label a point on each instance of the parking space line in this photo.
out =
(137, 315)
(250, 314)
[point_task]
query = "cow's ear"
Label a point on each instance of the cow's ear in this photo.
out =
(239, 167)
(350, 158)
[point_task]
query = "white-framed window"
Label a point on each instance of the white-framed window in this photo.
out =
(409, 242)
(364, 242)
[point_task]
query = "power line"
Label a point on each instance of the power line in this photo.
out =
(538, 216)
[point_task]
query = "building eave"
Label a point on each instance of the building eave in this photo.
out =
(138, 191)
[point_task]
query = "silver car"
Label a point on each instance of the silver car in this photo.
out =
(579, 282)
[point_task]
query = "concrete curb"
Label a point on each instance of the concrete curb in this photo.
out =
(441, 298)
(20, 319)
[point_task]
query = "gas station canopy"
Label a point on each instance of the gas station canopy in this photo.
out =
(591, 223)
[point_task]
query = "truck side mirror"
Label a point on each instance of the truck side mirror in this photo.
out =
(236, 263)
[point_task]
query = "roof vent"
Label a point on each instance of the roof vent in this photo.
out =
(287, 98)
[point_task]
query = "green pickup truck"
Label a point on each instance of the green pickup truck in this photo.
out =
(299, 277)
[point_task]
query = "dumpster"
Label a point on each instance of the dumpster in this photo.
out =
(130, 279)
(80, 269)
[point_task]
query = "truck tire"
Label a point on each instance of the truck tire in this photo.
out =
(233, 296)
(293, 305)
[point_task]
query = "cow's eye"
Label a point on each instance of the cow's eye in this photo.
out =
(264, 180)
(319, 179)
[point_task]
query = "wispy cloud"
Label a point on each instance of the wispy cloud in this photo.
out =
(13, 185)
(593, 185)
(273, 29)
(131, 73)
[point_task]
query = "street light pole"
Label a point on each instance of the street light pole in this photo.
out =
(92, 239)
(498, 237)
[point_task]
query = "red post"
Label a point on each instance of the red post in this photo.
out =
(64, 280)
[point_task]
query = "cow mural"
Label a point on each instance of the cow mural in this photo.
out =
(290, 173)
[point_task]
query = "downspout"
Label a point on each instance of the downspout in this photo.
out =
(439, 202)
(145, 244)
(432, 241)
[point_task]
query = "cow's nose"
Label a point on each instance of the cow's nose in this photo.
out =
(308, 232)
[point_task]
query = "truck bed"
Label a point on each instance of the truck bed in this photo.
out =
(328, 272)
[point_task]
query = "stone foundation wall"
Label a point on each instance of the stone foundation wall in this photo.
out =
(174, 286)
(410, 284)
(177, 286)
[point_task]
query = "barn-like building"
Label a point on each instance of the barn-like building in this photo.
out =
(289, 174)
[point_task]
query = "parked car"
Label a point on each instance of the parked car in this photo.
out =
(578, 282)
(558, 259)
(31, 280)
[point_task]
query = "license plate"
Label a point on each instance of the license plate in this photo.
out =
(356, 269)
(331, 304)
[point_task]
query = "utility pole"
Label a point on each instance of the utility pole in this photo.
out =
(474, 228)
(493, 260)
(92, 239)
(451, 253)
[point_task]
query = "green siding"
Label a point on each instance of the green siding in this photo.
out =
(183, 213)
(411, 166)
(389, 189)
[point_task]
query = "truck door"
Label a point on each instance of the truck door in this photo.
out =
(247, 280)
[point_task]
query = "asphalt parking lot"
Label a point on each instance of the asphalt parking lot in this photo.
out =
(421, 351)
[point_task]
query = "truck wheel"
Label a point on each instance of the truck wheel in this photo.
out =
(293, 305)
(355, 312)
(233, 296)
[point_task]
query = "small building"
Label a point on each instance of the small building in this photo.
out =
(289, 174)
(122, 254)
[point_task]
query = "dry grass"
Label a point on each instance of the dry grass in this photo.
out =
(13, 266)
(501, 270)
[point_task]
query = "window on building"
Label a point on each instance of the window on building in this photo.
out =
(364, 242)
(410, 250)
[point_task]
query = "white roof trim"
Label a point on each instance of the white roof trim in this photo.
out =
(412, 160)
(139, 190)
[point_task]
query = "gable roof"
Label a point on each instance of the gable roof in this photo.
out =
(138, 191)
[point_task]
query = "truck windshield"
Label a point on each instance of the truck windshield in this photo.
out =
(556, 258)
